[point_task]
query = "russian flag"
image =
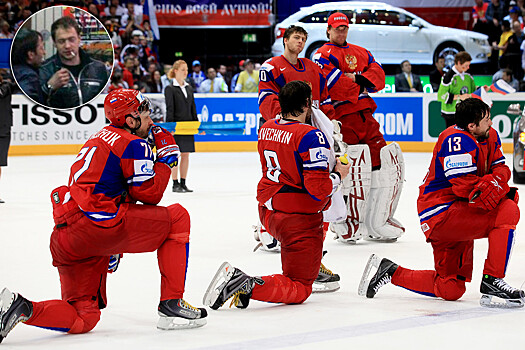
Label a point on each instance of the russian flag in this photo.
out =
(502, 87)
(149, 10)
(482, 95)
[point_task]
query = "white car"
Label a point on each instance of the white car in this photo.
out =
(390, 33)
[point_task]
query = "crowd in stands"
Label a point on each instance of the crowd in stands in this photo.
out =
(137, 65)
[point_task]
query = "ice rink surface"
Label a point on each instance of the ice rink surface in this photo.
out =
(223, 209)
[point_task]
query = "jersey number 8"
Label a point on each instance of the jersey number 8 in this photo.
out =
(273, 166)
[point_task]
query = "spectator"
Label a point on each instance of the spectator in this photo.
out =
(5, 33)
(236, 76)
(71, 78)
(116, 82)
(509, 79)
(127, 76)
(6, 120)
(93, 9)
(119, 9)
(133, 48)
(213, 84)
(150, 37)
(436, 75)
(518, 31)
(113, 33)
(514, 15)
(456, 85)
(197, 76)
(225, 74)
(479, 23)
(164, 78)
(248, 80)
(406, 81)
(154, 83)
(503, 40)
(112, 15)
(27, 55)
(180, 106)
(132, 17)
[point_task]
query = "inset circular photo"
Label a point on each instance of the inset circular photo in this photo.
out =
(62, 57)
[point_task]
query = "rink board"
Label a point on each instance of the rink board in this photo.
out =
(411, 119)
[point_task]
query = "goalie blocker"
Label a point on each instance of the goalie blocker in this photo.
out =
(371, 196)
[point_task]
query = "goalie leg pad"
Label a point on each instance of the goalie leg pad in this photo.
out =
(266, 241)
(356, 189)
(386, 187)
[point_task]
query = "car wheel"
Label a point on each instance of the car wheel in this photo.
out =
(312, 49)
(448, 50)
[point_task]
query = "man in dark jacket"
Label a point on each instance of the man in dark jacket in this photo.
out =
(6, 120)
(26, 58)
(406, 81)
(71, 78)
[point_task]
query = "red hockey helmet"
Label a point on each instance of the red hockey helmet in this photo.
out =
(123, 102)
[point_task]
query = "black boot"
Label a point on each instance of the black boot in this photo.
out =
(14, 308)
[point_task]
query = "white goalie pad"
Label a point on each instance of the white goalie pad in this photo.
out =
(355, 189)
(387, 184)
(266, 241)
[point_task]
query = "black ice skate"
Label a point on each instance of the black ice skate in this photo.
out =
(497, 287)
(326, 280)
(230, 282)
(383, 275)
(178, 314)
(13, 309)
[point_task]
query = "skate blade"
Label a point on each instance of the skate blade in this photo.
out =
(6, 300)
(373, 261)
(327, 287)
(173, 323)
(486, 301)
(223, 274)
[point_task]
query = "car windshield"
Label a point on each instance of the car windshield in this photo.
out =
(363, 16)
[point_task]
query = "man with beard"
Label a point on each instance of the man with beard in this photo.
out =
(465, 196)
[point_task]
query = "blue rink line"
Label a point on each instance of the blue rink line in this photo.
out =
(361, 330)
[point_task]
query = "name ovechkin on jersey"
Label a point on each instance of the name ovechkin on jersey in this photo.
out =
(269, 134)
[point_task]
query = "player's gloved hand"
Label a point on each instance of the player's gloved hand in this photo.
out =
(167, 150)
(114, 260)
(489, 191)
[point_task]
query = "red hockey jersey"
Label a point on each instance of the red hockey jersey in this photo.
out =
(113, 167)
(349, 96)
(294, 158)
(458, 163)
(278, 71)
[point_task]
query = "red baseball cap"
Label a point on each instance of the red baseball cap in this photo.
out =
(337, 19)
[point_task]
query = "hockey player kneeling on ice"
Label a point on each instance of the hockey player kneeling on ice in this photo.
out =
(465, 196)
(326, 280)
(97, 218)
(294, 189)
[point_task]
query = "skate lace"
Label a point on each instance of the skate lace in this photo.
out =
(501, 284)
(236, 298)
(185, 305)
(324, 269)
(384, 280)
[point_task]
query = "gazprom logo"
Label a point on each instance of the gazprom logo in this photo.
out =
(458, 161)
